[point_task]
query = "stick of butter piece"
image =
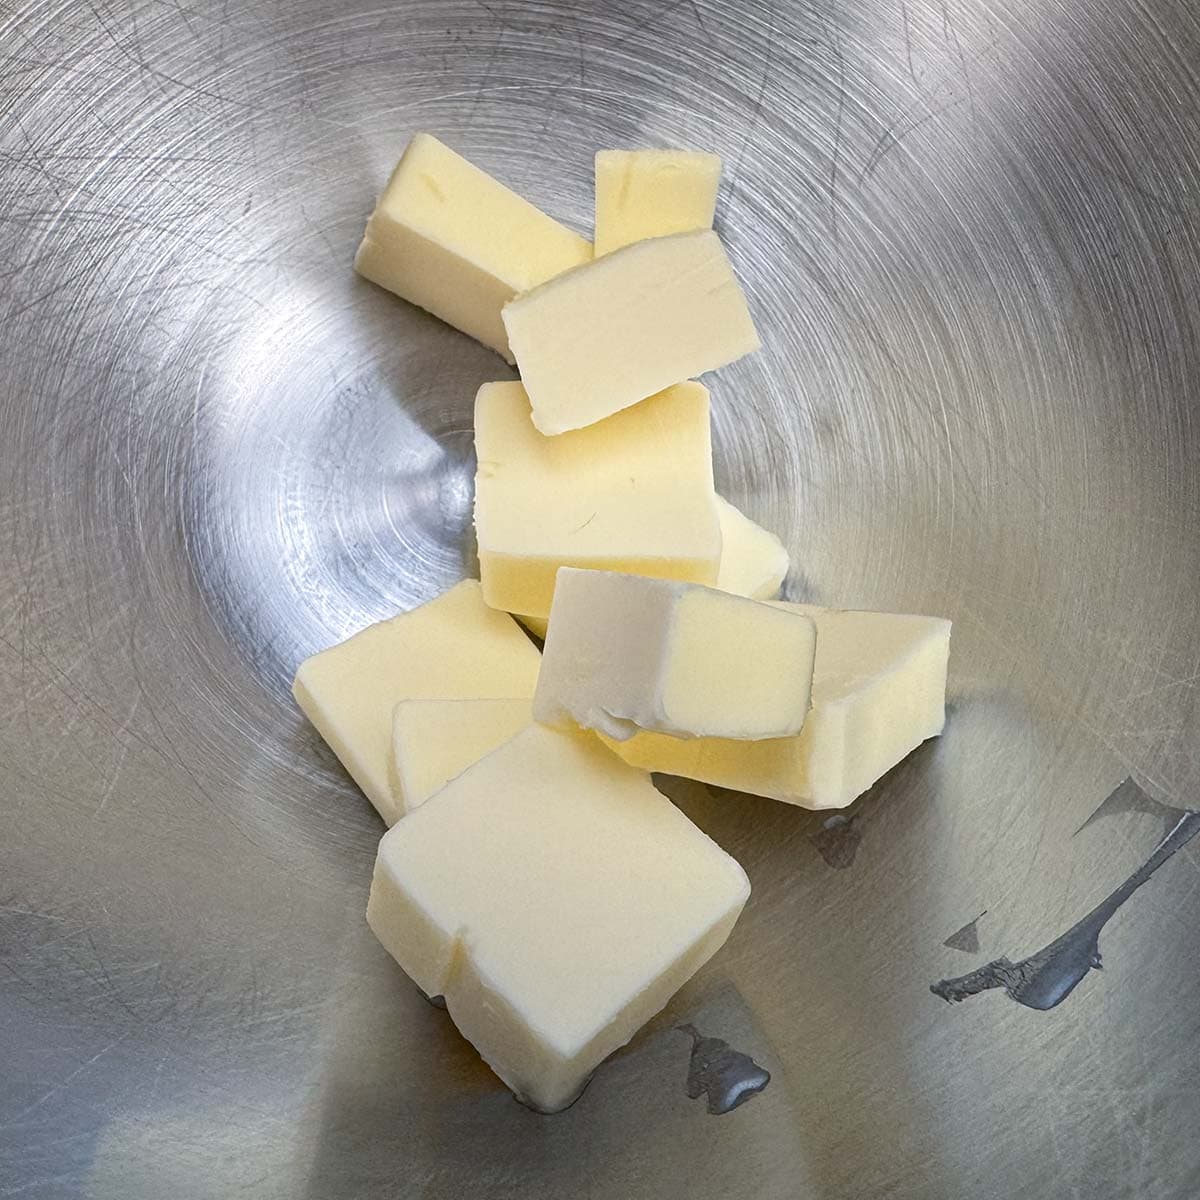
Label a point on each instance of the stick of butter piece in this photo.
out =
(625, 654)
(753, 560)
(610, 333)
(557, 902)
(879, 690)
(651, 193)
(633, 493)
(454, 646)
(435, 740)
(448, 237)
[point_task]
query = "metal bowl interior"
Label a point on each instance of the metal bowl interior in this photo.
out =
(968, 232)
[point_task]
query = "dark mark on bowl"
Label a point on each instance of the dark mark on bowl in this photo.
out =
(1128, 797)
(837, 840)
(728, 1076)
(1046, 978)
(966, 938)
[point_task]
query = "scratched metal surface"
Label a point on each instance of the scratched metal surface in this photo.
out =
(968, 231)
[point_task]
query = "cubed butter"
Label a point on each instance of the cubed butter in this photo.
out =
(753, 560)
(448, 237)
(879, 690)
(557, 902)
(633, 493)
(612, 332)
(435, 740)
(625, 654)
(651, 193)
(454, 646)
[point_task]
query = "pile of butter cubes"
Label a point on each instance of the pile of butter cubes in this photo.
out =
(532, 875)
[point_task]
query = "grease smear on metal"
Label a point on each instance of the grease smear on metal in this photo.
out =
(1046, 978)
(726, 1076)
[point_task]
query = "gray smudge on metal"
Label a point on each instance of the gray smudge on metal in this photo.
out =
(837, 840)
(727, 1076)
(1045, 979)
(1128, 797)
(966, 938)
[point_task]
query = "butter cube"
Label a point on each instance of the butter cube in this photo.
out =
(557, 902)
(435, 740)
(612, 332)
(753, 561)
(454, 646)
(651, 193)
(448, 237)
(633, 493)
(625, 654)
(879, 690)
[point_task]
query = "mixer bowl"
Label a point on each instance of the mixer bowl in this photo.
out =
(967, 230)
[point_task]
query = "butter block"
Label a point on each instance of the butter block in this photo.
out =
(753, 560)
(652, 193)
(448, 237)
(633, 493)
(879, 690)
(612, 332)
(625, 654)
(454, 646)
(435, 740)
(557, 902)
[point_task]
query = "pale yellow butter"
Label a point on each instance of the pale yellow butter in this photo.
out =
(556, 901)
(651, 193)
(435, 740)
(448, 237)
(610, 333)
(879, 689)
(633, 493)
(625, 654)
(753, 560)
(454, 646)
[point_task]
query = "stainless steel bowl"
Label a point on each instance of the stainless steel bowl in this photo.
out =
(968, 230)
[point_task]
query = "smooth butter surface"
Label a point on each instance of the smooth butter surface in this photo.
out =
(616, 330)
(633, 493)
(557, 901)
(448, 237)
(753, 560)
(454, 646)
(879, 688)
(435, 740)
(625, 654)
(652, 193)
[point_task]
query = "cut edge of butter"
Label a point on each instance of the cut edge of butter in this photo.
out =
(434, 741)
(453, 240)
(642, 194)
(877, 695)
(609, 333)
(545, 965)
(754, 561)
